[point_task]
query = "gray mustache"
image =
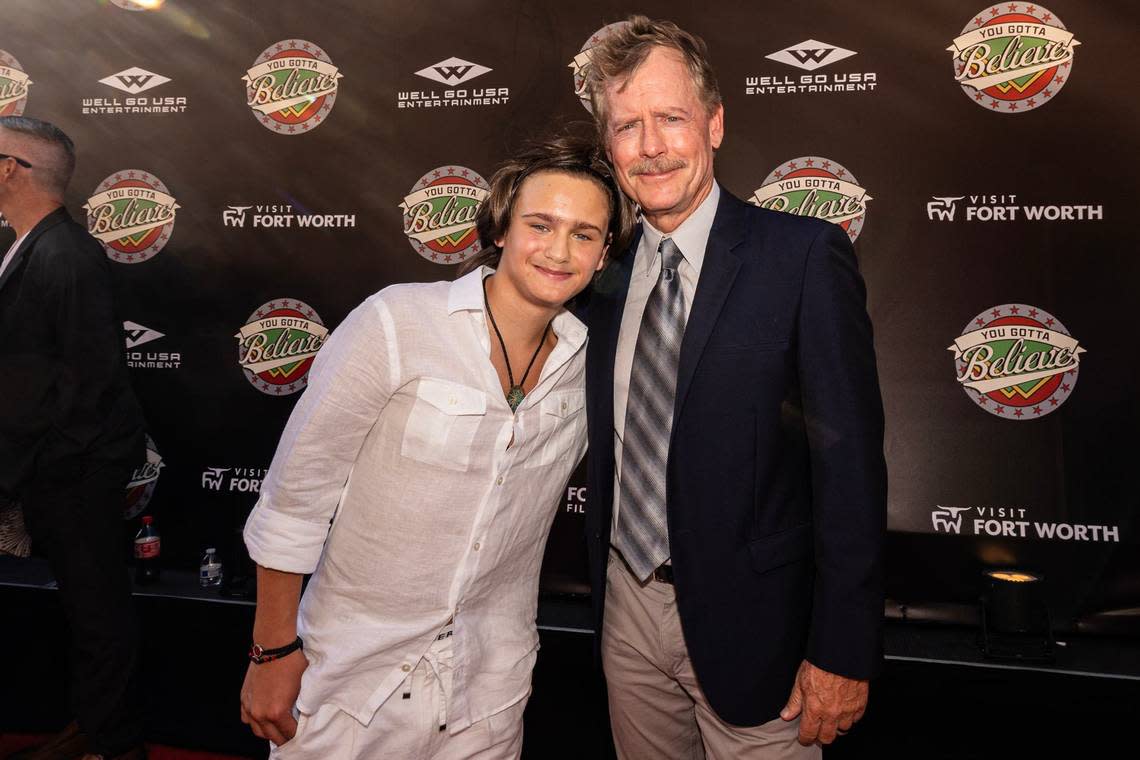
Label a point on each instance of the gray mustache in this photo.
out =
(657, 166)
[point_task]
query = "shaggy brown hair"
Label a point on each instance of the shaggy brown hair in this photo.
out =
(565, 153)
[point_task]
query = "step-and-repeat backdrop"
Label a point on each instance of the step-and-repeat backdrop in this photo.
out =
(256, 169)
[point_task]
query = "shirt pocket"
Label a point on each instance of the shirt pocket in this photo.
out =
(442, 424)
(561, 422)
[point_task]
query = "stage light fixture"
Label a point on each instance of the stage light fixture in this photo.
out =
(1015, 619)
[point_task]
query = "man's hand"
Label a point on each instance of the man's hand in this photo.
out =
(829, 704)
(268, 695)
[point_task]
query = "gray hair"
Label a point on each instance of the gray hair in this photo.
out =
(620, 54)
(56, 175)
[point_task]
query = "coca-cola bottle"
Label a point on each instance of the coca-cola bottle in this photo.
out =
(148, 547)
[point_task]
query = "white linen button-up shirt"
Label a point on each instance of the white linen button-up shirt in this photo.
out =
(403, 440)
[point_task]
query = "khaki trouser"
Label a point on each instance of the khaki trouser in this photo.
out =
(657, 708)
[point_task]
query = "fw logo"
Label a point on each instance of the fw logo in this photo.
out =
(810, 55)
(213, 476)
(948, 519)
(134, 80)
(453, 71)
(942, 209)
(234, 216)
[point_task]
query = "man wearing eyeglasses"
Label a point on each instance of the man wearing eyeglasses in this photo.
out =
(70, 431)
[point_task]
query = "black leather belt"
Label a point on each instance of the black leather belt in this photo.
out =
(664, 574)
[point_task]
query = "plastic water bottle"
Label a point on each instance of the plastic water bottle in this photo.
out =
(148, 548)
(210, 570)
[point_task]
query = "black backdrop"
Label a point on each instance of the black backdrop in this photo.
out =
(295, 211)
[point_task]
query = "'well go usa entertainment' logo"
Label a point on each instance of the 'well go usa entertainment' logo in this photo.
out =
(132, 214)
(14, 84)
(292, 87)
(439, 213)
(811, 55)
(1013, 57)
(454, 74)
(1016, 361)
(819, 187)
(580, 64)
(277, 344)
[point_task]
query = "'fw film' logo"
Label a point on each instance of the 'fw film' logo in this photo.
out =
(14, 85)
(277, 345)
(1017, 361)
(439, 213)
(292, 87)
(814, 186)
(132, 214)
(1013, 57)
(580, 64)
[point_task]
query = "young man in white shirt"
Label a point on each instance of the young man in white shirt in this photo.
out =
(440, 423)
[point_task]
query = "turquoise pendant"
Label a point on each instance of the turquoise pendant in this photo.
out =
(515, 396)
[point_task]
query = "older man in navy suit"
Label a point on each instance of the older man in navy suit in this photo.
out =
(736, 468)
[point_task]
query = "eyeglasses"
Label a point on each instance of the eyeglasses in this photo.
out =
(20, 161)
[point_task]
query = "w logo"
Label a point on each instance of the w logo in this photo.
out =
(810, 55)
(453, 71)
(134, 80)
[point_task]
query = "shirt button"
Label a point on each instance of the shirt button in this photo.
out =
(564, 405)
(476, 547)
(499, 482)
(406, 667)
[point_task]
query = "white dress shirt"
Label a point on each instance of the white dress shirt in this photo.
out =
(403, 440)
(692, 236)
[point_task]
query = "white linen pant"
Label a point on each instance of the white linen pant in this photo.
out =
(409, 725)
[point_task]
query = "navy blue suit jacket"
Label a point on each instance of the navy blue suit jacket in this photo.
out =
(776, 483)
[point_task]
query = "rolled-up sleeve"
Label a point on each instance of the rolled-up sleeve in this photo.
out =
(353, 376)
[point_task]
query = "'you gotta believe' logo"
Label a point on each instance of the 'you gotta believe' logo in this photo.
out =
(14, 85)
(292, 87)
(580, 64)
(1013, 57)
(814, 186)
(439, 213)
(1017, 361)
(277, 345)
(132, 214)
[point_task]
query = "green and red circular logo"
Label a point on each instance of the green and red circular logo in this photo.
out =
(143, 480)
(277, 345)
(1013, 57)
(580, 64)
(439, 213)
(132, 214)
(815, 186)
(1017, 361)
(14, 85)
(292, 87)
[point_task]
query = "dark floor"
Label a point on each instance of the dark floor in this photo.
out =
(194, 662)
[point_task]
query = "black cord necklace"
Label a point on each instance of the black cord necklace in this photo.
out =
(516, 394)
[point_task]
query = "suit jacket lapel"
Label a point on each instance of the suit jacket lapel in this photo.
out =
(607, 304)
(717, 275)
(47, 222)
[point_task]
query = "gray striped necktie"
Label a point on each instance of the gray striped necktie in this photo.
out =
(642, 534)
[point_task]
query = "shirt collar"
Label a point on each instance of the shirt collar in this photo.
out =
(466, 294)
(691, 237)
